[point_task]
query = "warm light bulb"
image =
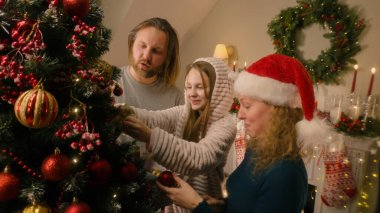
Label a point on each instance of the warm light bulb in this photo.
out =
(75, 160)
(373, 70)
(76, 110)
(356, 66)
(360, 160)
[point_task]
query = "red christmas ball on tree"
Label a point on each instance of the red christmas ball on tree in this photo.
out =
(100, 171)
(56, 167)
(129, 172)
(2, 3)
(78, 208)
(166, 178)
(9, 186)
(78, 8)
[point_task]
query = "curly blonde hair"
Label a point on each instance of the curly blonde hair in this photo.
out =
(279, 139)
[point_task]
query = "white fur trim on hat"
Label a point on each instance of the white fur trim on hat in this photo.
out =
(314, 132)
(267, 89)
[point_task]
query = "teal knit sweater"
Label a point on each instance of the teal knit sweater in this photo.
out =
(281, 188)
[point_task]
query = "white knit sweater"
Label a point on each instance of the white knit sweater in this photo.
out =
(200, 163)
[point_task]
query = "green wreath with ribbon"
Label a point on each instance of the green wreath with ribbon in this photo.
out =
(343, 24)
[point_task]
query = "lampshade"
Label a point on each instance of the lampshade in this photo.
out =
(221, 51)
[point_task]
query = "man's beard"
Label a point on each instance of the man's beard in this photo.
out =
(149, 73)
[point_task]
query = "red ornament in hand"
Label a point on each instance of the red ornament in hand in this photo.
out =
(9, 186)
(129, 172)
(78, 208)
(118, 91)
(100, 171)
(78, 8)
(166, 178)
(56, 167)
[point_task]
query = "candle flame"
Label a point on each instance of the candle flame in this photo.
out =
(373, 70)
(356, 66)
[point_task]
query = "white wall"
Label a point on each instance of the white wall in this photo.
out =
(122, 15)
(243, 24)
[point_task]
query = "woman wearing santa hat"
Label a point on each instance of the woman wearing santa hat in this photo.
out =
(277, 102)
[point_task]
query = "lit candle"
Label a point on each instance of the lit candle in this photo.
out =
(245, 65)
(354, 112)
(373, 70)
(356, 67)
(234, 66)
(335, 115)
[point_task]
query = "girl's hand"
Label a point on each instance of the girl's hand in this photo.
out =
(137, 129)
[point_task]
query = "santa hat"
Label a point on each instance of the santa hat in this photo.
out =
(282, 81)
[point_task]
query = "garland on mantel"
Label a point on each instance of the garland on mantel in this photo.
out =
(344, 27)
(358, 128)
(355, 128)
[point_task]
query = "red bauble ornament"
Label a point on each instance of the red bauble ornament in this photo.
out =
(9, 186)
(78, 208)
(118, 91)
(56, 167)
(36, 108)
(129, 172)
(100, 171)
(2, 3)
(78, 8)
(166, 178)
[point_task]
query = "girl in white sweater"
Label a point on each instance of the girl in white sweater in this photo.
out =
(193, 139)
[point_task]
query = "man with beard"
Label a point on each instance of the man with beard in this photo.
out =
(149, 81)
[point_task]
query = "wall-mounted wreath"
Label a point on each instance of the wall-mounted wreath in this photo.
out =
(343, 24)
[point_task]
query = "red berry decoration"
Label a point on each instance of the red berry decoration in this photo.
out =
(78, 8)
(36, 108)
(78, 208)
(9, 186)
(100, 171)
(117, 91)
(56, 167)
(129, 172)
(166, 178)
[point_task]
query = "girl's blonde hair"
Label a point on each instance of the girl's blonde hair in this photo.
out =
(279, 139)
(196, 124)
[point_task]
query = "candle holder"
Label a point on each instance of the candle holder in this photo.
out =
(370, 107)
(355, 106)
(336, 104)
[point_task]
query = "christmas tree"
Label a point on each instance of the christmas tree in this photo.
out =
(58, 124)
